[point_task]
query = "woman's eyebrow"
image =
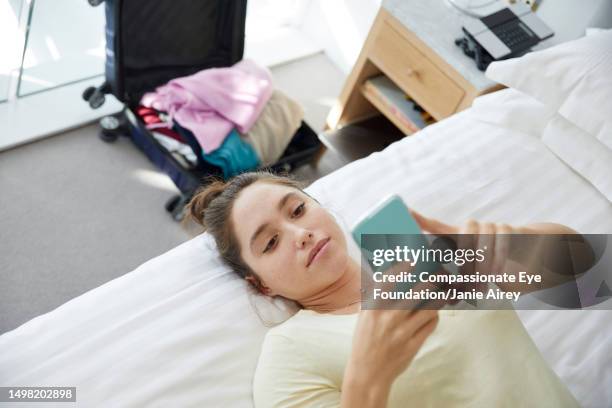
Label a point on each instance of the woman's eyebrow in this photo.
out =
(279, 207)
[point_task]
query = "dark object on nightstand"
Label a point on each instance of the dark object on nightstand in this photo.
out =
(509, 32)
(473, 50)
(358, 140)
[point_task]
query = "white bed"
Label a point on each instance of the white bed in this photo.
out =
(181, 331)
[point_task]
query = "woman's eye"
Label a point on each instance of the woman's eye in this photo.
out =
(270, 244)
(299, 210)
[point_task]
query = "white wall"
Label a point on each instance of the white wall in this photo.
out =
(340, 27)
(570, 18)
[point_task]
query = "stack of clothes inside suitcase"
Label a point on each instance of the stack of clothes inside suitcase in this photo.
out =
(231, 118)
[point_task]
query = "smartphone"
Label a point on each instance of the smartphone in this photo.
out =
(393, 226)
(391, 216)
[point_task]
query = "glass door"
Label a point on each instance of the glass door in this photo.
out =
(12, 44)
(64, 44)
(54, 50)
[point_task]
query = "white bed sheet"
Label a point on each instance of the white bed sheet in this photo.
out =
(180, 330)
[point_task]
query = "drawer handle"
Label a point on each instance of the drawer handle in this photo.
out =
(413, 73)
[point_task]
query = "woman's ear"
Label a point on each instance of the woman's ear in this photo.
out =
(259, 285)
(267, 291)
(252, 280)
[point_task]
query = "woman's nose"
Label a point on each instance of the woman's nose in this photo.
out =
(304, 238)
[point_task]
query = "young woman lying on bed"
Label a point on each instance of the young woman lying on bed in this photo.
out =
(332, 354)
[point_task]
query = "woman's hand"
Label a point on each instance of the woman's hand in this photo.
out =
(494, 237)
(550, 241)
(384, 344)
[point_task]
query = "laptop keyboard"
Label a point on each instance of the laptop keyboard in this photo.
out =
(514, 35)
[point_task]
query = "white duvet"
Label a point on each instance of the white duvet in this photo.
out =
(181, 331)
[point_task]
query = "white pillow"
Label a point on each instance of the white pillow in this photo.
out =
(572, 78)
(512, 109)
(581, 151)
(574, 81)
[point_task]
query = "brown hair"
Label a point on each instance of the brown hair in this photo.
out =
(211, 207)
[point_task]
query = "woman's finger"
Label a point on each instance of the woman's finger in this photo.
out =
(466, 240)
(431, 225)
(408, 327)
(417, 340)
(486, 242)
(502, 246)
(421, 318)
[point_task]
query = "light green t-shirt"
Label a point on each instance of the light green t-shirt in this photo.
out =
(472, 359)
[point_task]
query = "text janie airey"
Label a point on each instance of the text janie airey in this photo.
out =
(450, 293)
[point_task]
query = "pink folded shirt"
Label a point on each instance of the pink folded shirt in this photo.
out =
(212, 102)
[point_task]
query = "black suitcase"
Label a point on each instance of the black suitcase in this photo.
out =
(149, 43)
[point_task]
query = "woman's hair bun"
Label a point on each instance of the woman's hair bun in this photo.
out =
(202, 198)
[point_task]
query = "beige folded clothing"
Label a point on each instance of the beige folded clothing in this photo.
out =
(273, 130)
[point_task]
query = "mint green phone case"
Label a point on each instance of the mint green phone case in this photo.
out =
(394, 226)
(390, 217)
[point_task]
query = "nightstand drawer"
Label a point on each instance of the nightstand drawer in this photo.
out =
(415, 74)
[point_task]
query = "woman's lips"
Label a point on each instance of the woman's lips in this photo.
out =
(319, 252)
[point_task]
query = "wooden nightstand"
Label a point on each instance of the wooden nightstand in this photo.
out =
(412, 43)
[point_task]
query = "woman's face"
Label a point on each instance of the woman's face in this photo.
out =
(279, 228)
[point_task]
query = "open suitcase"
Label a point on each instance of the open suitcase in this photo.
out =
(149, 43)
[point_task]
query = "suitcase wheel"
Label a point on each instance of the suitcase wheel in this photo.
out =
(112, 126)
(176, 206)
(108, 137)
(172, 202)
(87, 93)
(95, 96)
(96, 99)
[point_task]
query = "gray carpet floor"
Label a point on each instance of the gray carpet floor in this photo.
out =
(77, 212)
